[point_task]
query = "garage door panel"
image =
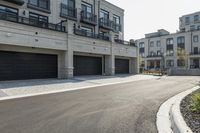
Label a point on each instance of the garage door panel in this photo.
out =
(85, 65)
(16, 66)
(121, 66)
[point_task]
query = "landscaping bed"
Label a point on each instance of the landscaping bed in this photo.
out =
(190, 109)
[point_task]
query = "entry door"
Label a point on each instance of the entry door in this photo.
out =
(196, 63)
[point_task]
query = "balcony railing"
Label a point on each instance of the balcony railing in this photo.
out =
(84, 33)
(68, 12)
(31, 22)
(105, 23)
(125, 42)
(153, 56)
(170, 47)
(18, 2)
(195, 53)
(116, 27)
(88, 18)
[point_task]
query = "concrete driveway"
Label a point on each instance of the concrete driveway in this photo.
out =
(122, 108)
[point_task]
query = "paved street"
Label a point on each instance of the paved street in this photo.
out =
(121, 108)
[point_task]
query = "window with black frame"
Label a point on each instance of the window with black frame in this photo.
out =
(38, 20)
(8, 13)
(86, 10)
(68, 8)
(104, 17)
(116, 23)
(181, 42)
(44, 4)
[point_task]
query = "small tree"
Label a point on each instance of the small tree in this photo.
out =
(182, 56)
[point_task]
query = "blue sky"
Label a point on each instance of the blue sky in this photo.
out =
(145, 16)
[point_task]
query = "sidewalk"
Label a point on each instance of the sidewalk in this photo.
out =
(34, 87)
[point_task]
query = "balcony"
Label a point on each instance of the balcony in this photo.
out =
(31, 22)
(170, 47)
(155, 56)
(195, 53)
(88, 18)
(68, 12)
(125, 42)
(18, 2)
(105, 23)
(84, 33)
(116, 27)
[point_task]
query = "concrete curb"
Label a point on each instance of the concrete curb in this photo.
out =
(169, 117)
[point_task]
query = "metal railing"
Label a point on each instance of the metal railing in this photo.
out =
(18, 2)
(67, 11)
(195, 53)
(84, 33)
(106, 23)
(31, 22)
(88, 17)
(155, 55)
(125, 42)
(116, 27)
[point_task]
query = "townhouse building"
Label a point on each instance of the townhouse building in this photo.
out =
(62, 39)
(181, 50)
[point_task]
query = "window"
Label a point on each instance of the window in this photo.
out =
(170, 41)
(158, 44)
(86, 9)
(187, 20)
(170, 53)
(192, 27)
(141, 44)
(196, 18)
(180, 63)
(158, 52)
(68, 8)
(8, 12)
(116, 23)
(86, 29)
(195, 38)
(181, 42)
(38, 20)
(170, 63)
(44, 4)
(196, 51)
(151, 44)
(104, 14)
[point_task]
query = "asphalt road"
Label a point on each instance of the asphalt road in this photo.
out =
(121, 108)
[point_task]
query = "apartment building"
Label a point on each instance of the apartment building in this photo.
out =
(62, 39)
(162, 50)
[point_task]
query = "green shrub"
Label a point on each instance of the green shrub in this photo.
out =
(196, 102)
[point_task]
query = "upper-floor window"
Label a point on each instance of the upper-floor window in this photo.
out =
(87, 29)
(69, 3)
(116, 19)
(151, 44)
(10, 13)
(196, 18)
(170, 41)
(104, 14)
(158, 44)
(44, 4)
(195, 38)
(187, 20)
(116, 23)
(86, 8)
(192, 27)
(141, 44)
(181, 42)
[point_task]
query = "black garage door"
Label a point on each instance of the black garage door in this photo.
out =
(85, 65)
(121, 66)
(17, 66)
